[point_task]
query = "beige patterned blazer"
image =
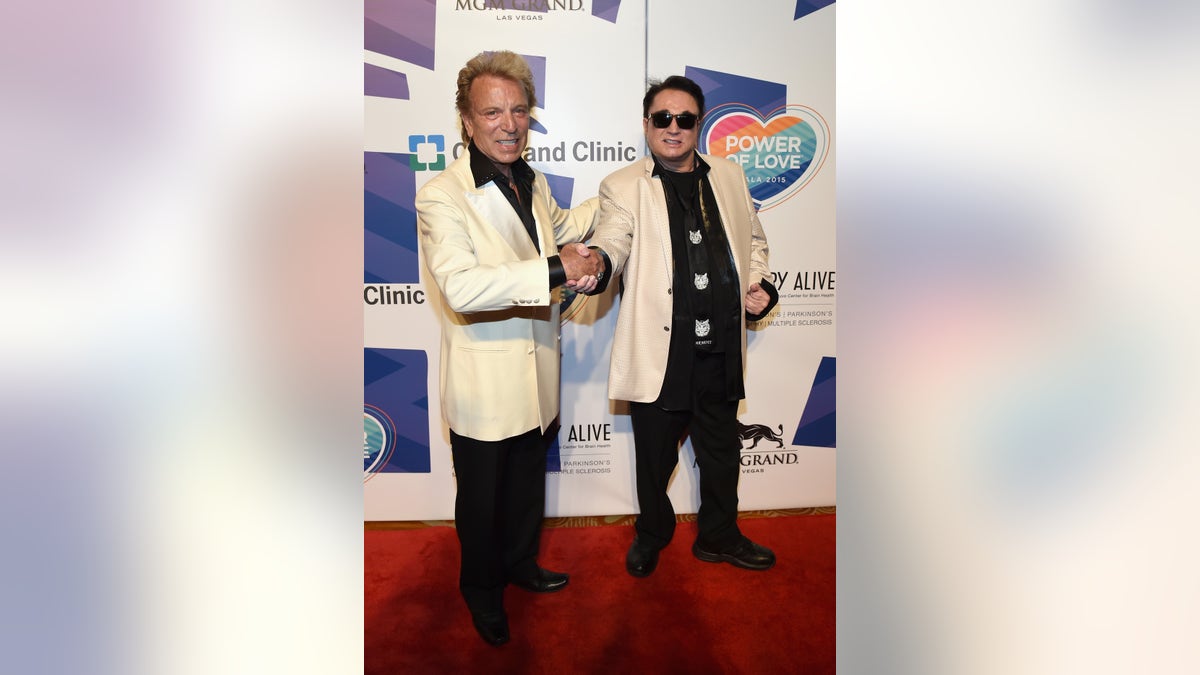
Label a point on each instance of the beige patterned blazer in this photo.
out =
(632, 229)
(500, 327)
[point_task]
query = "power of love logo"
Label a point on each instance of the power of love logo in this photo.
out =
(780, 152)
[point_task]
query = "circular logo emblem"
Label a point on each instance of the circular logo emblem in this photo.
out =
(570, 305)
(379, 440)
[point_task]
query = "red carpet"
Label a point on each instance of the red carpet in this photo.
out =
(687, 617)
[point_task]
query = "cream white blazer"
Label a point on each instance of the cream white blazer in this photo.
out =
(633, 230)
(500, 326)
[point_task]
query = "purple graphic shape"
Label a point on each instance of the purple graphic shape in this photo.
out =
(806, 7)
(537, 64)
(384, 83)
(561, 187)
(396, 382)
(721, 88)
(390, 220)
(606, 9)
(818, 426)
(402, 29)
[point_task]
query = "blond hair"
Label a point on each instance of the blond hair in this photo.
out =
(505, 64)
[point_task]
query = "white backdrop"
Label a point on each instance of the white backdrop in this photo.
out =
(771, 77)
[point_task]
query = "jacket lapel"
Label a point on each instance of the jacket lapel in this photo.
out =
(658, 210)
(727, 214)
(498, 214)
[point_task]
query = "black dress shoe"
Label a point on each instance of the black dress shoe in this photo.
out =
(745, 554)
(544, 581)
(491, 626)
(641, 560)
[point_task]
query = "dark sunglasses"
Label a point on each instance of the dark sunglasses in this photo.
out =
(662, 119)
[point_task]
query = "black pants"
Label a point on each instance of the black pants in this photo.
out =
(712, 424)
(498, 513)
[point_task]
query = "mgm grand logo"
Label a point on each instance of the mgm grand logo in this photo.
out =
(752, 462)
(524, 5)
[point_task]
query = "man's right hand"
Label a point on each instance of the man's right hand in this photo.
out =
(578, 262)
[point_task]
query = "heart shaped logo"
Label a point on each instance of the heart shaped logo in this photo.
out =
(780, 152)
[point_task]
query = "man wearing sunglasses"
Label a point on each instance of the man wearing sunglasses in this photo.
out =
(681, 230)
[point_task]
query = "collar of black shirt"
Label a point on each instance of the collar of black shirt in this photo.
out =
(483, 169)
(659, 169)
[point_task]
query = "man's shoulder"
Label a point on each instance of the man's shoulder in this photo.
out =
(455, 176)
(630, 172)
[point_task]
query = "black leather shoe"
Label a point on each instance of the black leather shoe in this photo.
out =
(491, 626)
(641, 560)
(746, 554)
(544, 582)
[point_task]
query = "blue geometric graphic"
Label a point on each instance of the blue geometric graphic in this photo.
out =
(554, 453)
(384, 83)
(606, 9)
(561, 188)
(721, 88)
(402, 29)
(395, 411)
(806, 7)
(818, 427)
(390, 219)
(537, 65)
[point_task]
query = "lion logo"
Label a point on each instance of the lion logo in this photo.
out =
(758, 432)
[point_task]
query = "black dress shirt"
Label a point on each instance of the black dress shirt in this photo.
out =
(687, 214)
(519, 193)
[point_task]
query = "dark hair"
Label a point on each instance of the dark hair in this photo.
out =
(677, 82)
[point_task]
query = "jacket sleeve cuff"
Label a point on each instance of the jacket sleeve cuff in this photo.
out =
(558, 275)
(605, 274)
(770, 289)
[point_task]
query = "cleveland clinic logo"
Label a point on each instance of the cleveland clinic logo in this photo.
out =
(427, 153)
(780, 151)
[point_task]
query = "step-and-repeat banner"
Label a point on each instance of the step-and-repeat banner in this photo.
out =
(767, 70)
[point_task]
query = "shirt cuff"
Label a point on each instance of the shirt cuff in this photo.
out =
(771, 291)
(558, 275)
(603, 276)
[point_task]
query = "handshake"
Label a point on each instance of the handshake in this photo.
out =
(584, 267)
